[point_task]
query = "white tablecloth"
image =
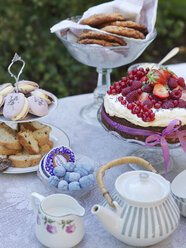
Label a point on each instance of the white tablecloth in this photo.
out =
(16, 215)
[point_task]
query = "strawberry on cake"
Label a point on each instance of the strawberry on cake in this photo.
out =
(145, 100)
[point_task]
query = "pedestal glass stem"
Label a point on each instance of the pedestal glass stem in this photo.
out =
(103, 84)
(89, 112)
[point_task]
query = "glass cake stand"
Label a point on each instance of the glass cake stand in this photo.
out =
(152, 154)
(104, 59)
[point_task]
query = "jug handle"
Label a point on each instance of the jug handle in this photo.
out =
(33, 197)
(119, 161)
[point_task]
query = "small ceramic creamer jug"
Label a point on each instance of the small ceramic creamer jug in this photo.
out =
(140, 211)
(59, 222)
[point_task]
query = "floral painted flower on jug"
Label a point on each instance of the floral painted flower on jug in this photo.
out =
(70, 228)
(51, 229)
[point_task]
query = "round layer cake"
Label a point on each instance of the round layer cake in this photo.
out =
(145, 102)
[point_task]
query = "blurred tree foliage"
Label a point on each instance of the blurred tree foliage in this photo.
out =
(25, 29)
(170, 25)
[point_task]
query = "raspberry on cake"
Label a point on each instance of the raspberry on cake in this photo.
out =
(146, 100)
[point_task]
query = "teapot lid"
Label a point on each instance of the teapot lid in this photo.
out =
(142, 187)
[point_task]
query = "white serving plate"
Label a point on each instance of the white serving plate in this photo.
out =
(30, 117)
(59, 138)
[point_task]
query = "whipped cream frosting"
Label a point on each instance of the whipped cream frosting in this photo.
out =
(41, 95)
(162, 116)
(27, 87)
(6, 90)
(23, 112)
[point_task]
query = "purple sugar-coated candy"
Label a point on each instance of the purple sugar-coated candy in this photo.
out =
(66, 178)
(69, 166)
(74, 176)
(74, 186)
(53, 181)
(81, 171)
(59, 171)
(87, 167)
(91, 177)
(86, 181)
(63, 185)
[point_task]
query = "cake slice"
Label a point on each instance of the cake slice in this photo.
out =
(45, 148)
(8, 129)
(28, 141)
(8, 137)
(6, 151)
(23, 152)
(25, 160)
(42, 135)
(32, 126)
(22, 127)
(51, 144)
(12, 125)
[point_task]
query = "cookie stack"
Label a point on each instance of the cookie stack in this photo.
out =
(113, 23)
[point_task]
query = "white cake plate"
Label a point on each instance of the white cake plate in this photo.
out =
(153, 154)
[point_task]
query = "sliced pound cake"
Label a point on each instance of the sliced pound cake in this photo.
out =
(6, 151)
(8, 138)
(25, 160)
(8, 129)
(28, 141)
(50, 143)
(42, 135)
(32, 126)
(45, 148)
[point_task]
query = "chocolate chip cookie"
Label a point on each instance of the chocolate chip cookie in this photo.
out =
(98, 19)
(123, 31)
(95, 35)
(98, 42)
(128, 24)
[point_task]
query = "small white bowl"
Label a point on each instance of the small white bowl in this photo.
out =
(74, 193)
(45, 169)
(178, 188)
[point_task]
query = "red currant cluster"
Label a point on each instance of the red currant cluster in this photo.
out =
(140, 109)
(132, 76)
(143, 89)
(137, 74)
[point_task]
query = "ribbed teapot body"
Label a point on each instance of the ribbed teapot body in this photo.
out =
(145, 225)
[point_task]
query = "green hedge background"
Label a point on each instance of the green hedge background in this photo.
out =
(25, 29)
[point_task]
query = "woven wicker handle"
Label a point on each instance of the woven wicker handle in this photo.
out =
(124, 160)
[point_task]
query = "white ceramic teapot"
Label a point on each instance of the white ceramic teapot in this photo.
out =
(140, 210)
(59, 222)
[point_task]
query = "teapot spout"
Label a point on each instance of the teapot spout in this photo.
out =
(107, 217)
